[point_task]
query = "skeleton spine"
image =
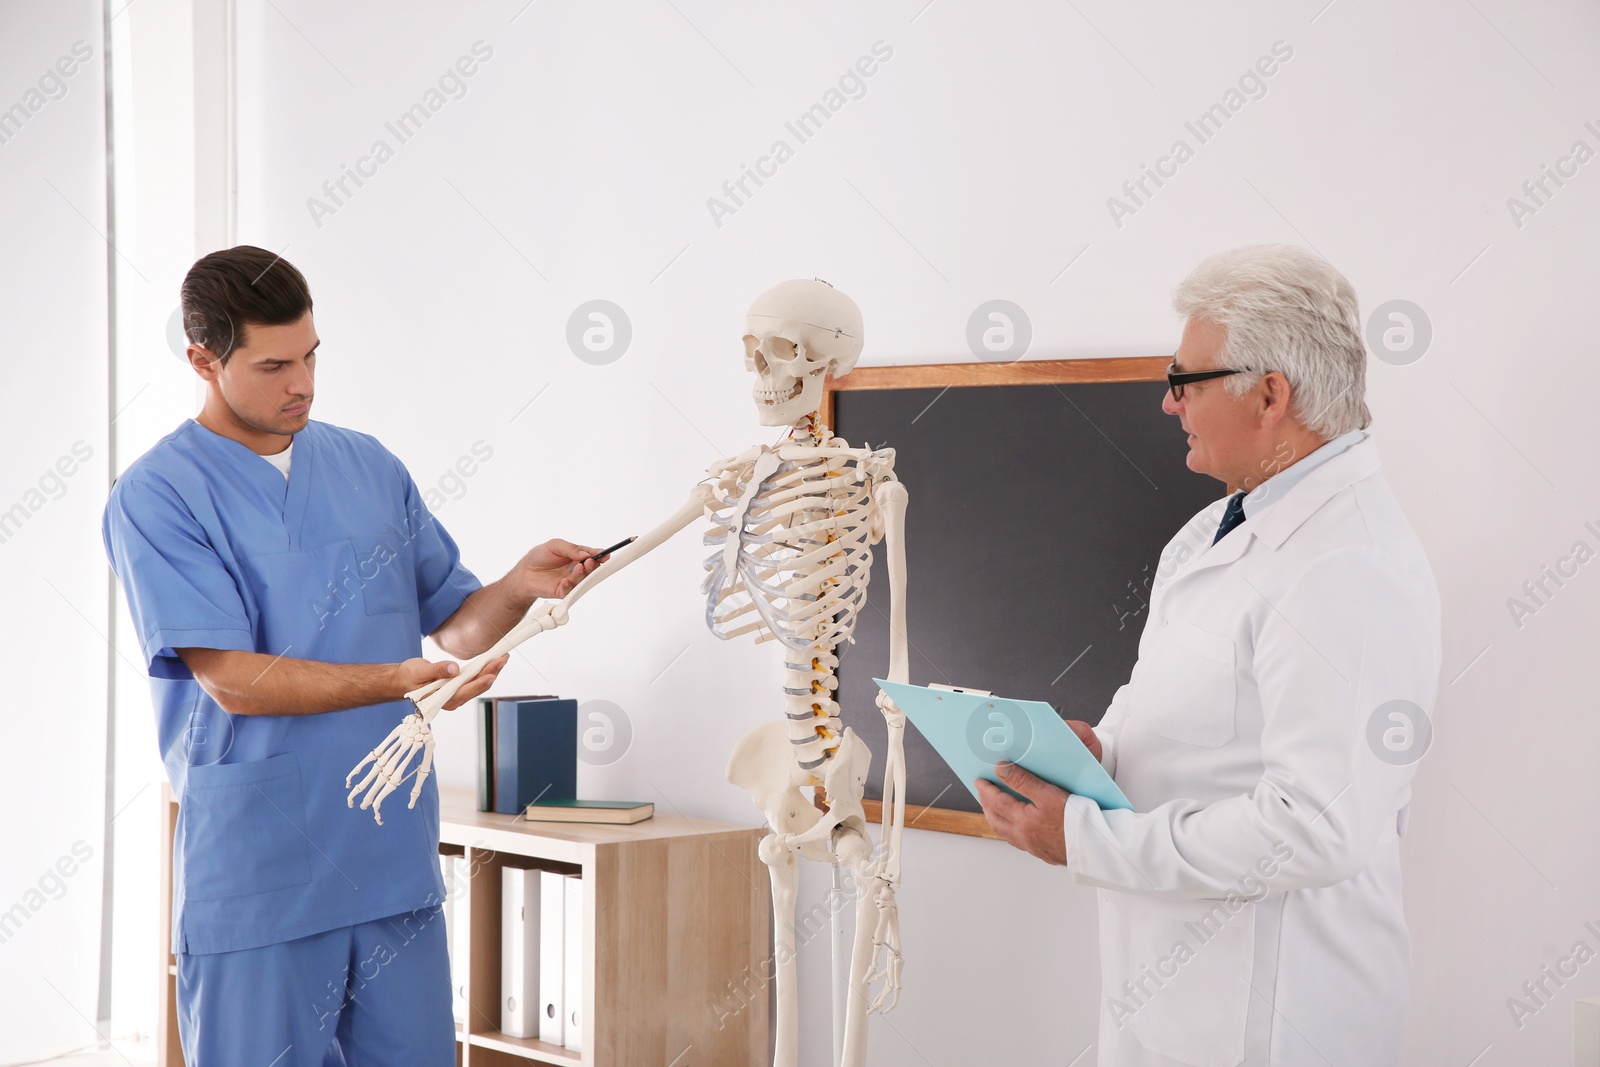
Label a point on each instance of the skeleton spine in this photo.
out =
(814, 723)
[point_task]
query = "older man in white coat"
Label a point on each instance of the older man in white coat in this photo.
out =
(1250, 905)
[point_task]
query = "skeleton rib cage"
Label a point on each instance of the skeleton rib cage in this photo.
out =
(796, 526)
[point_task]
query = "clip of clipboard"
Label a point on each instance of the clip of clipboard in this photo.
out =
(972, 731)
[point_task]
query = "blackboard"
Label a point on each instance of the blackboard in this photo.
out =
(1038, 510)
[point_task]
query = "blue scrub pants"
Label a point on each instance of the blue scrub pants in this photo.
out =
(372, 995)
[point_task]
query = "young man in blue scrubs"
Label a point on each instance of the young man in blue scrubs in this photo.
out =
(281, 574)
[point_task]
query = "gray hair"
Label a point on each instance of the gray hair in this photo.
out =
(1287, 310)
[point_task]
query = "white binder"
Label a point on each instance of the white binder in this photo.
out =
(458, 927)
(552, 930)
(519, 952)
(572, 967)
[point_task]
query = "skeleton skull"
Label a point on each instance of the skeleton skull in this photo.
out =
(796, 333)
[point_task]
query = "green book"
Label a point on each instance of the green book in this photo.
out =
(615, 812)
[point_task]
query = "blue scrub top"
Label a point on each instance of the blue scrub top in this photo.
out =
(342, 563)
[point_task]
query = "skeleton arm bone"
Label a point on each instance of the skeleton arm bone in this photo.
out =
(389, 765)
(548, 615)
(892, 500)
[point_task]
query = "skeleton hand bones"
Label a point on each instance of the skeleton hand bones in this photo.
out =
(390, 762)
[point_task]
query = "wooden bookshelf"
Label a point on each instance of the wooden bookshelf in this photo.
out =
(676, 911)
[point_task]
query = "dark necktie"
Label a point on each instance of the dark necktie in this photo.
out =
(1231, 517)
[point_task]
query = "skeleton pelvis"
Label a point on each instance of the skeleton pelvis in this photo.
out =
(763, 765)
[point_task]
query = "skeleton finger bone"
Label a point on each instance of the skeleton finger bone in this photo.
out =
(886, 948)
(388, 765)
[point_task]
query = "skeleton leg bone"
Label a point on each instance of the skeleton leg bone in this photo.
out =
(785, 873)
(761, 765)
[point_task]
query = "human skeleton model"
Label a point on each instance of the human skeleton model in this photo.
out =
(793, 526)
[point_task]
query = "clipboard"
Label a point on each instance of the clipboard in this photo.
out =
(972, 732)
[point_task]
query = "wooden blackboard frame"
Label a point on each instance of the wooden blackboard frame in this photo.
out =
(977, 375)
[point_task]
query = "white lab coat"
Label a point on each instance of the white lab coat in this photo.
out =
(1250, 908)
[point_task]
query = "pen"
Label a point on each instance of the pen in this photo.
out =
(603, 553)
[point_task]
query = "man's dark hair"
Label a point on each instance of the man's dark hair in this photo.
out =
(226, 292)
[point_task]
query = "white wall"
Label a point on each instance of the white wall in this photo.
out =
(53, 480)
(977, 165)
(159, 216)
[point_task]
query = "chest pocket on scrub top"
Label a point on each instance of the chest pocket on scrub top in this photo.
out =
(1190, 695)
(384, 570)
(244, 828)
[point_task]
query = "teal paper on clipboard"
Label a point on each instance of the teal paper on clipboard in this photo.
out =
(972, 733)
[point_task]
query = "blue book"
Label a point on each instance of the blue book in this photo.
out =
(535, 752)
(485, 754)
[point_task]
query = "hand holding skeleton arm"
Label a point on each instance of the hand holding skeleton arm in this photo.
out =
(389, 765)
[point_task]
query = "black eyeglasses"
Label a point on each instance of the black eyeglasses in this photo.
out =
(1177, 379)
